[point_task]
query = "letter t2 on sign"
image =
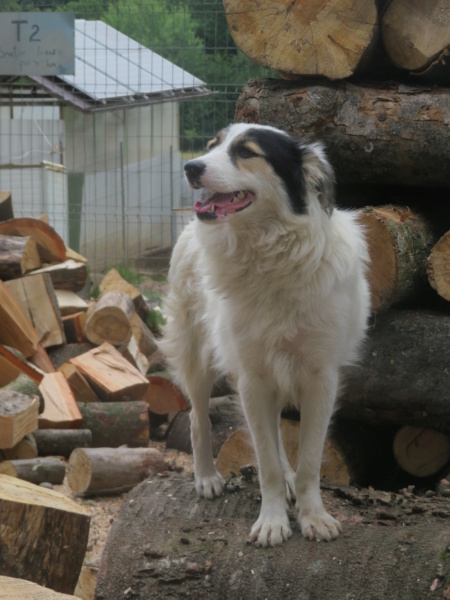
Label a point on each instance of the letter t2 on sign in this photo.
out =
(37, 43)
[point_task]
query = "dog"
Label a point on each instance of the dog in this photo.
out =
(267, 284)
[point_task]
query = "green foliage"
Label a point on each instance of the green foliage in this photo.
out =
(156, 321)
(126, 273)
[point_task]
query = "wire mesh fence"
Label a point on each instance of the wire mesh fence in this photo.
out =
(101, 151)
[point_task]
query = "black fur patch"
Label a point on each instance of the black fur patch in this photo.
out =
(284, 154)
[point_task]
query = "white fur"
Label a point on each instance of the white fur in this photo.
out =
(279, 302)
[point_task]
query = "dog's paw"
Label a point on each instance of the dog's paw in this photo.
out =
(319, 525)
(271, 529)
(210, 487)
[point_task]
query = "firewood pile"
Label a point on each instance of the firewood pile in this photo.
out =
(370, 79)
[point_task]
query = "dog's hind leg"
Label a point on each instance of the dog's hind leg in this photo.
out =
(208, 482)
(262, 414)
(316, 406)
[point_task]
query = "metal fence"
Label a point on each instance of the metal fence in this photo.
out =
(101, 151)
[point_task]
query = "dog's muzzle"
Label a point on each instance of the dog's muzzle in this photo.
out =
(194, 170)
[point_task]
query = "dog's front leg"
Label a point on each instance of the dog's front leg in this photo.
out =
(208, 481)
(272, 526)
(316, 406)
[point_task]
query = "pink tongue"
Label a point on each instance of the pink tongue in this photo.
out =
(217, 199)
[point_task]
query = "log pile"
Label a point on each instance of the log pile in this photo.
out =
(75, 401)
(371, 80)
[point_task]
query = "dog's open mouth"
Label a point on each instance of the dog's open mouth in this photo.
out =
(219, 205)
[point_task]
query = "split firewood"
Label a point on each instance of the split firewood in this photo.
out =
(416, 35)
(115, 424)
(24, 385)
(335, 39)
(62, 354)
(111, 470)
(35, 470)
(73, 255)
(164, 397)
(134, 356)
(36, 296)
(26, 448)
(18, 416)
(110, 375)
(6, 209)
(144, 337)
(399, 243)
(438, 267)
(49, 244)
(421, 452)
(110, 319)
(61, 442)
(61, 408)
(53, 534)
(357, 124)
(16, 330)
(69, 302)
(113, 281)
(403, 373)
(18, 255)
(41, 360)
(74, 327)
(13, 588)
(12, 363)
(68, 275)
(78, 384)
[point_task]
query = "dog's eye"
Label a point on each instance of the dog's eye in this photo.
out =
(245, 152)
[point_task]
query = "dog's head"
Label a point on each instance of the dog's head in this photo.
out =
(262, 170)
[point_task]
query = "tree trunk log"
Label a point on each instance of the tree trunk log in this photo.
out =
(113, 281)
(94, 471)
(167, 543)
(390, 134)
(68, 275)
(18, 255)
(13, 588)
(335, 38)
(115, 424)
(44, 535)
(35, 470)
(399, 243)
(61, 442)
(25, 385)
(26, 448)
(403, 374)
(110, 320)
(18, 416)
(438, 267)
(416, 35)
(50, 246)
(421, 452)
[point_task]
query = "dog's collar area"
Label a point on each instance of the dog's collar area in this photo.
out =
(219, 205)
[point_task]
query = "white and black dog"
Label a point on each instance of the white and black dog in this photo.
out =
(267, 285)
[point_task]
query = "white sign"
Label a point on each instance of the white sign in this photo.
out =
(37, 43)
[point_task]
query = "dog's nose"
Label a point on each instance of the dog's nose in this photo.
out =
(194, 169)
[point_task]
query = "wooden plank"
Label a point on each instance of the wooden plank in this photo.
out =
(16, 329)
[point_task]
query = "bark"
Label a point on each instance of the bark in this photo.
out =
(110, 320)
(74, 327)
(438, 267)
(168, 543)
(35, 470)
(18, 416)
(18, 255)
(416, 35)
(115, 424)
(93, 471)
(421, 452)
(50, 246)
(399, 243)
(68, 275)
(403, 375)
(63, 354)
(333, 38)
(61, 442)
(48, 531)
(6, 209)
(377, 133)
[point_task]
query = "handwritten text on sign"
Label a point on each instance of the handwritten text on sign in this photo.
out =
(37, 43)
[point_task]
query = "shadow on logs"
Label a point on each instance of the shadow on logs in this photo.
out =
(167, 543)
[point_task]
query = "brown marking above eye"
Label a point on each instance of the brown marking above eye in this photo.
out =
(247, 149)
(212, 143)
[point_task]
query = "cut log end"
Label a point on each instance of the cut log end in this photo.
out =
(421, 452)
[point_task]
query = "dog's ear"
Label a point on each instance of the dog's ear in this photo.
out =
(318, 175)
